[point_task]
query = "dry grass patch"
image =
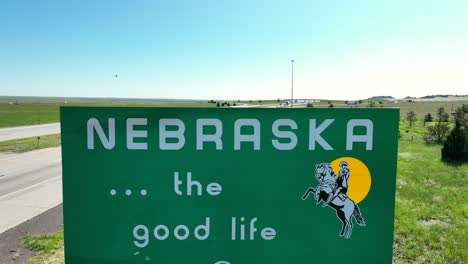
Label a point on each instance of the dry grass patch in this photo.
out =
(427, 223)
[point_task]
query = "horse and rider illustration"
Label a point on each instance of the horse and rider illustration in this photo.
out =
(332, 191)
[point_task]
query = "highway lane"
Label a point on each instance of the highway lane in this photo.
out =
(10, 133)
(30, 184)
(18, 171)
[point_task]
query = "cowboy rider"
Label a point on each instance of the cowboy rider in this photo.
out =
(341, 181)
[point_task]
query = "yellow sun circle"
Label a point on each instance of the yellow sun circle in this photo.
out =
(359, 181)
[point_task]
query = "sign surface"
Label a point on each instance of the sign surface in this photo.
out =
(239, 185)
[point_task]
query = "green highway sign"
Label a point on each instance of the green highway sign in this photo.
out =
(228, 186)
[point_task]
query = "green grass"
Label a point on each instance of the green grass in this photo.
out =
(431, 216)
(44, 243)
(31, 143)
(48, 248)
(418, 128)
(30, 113)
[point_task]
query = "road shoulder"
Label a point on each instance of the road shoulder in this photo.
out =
(11, 249)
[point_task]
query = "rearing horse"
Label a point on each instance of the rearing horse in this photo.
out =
(345, 208)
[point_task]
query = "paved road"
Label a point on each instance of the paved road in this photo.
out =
(30, 184)
(10, 133)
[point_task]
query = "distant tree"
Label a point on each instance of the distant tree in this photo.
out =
(461, 115)
(310, 105)
(360, 102)
(234, 104)
(436, 133)
(442, 116)
(331, 106)
(278, 101)
(259, 101)
(435, 95)
(454, 148)
(440, 112)
(380, 102)
(217, 104)
(238, 100)
(329, 102)
(465, 108)
(428, 118)
(445, 117)
(411, 117)
(228, 104)
(456, 145)
(346, 102)
(371, 104)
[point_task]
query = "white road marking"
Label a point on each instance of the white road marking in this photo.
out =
(34, 152)
(30, 186)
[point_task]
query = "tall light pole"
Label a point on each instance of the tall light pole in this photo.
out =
(292, 82)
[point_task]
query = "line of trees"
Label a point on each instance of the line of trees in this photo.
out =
(455, 141)
(222, 104)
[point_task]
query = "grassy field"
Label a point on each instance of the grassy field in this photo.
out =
(31, 143)
(32, 111)
(36, 110)
(431, 215)
(28, 114)
(420, 107)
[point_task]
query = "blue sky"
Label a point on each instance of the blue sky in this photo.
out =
(233, 49)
